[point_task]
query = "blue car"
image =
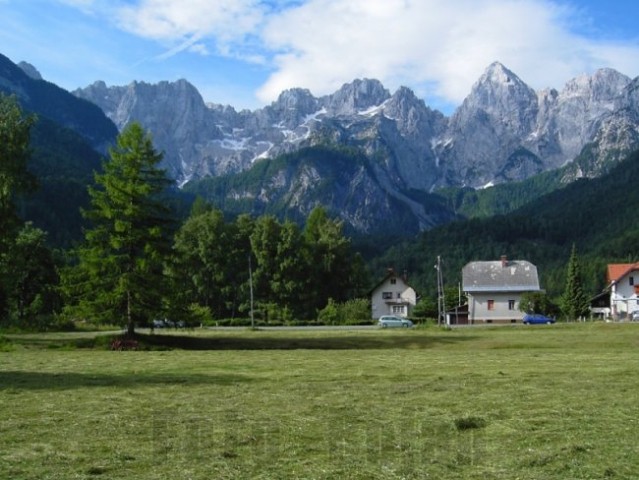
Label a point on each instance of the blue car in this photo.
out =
(537, 319)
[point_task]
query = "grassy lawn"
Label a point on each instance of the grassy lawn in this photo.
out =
(557, 402)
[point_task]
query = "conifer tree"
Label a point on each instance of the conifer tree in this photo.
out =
(574, 302)
(120, 277)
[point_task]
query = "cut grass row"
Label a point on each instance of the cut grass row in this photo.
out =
(490, 403)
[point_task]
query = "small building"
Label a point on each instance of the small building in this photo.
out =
(494, 289)
(623, 286)
(392, 296)
(458, 315)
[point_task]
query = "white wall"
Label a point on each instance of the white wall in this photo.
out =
(401, 295)
(623, 298)
(478, 307)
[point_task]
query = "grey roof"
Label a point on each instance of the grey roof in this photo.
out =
(495, 276)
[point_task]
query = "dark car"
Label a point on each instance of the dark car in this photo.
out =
(537, 319)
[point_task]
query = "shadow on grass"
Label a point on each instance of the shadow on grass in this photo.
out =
(19, 380)
(284, 342)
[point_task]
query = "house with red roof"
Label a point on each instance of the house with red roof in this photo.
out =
(623, 286)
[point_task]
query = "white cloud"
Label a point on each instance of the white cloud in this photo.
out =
(179, 21)
(437, 47)
(442, 46)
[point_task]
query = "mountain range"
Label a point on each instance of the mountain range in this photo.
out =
(504, 131)
(384, 163)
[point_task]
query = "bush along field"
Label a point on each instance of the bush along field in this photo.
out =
(551, 402)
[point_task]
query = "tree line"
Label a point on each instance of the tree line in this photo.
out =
(137, 262)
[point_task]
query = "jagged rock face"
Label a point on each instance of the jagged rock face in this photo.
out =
(617, 136)
(355, 97)
(179, 121)
(487, 129)
(201, 140)
(572, 117)
(503, 131)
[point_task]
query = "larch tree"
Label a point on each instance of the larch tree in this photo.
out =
(120, 277)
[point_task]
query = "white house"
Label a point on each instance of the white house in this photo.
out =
(623, 285)
(392, 296)
(494, 289)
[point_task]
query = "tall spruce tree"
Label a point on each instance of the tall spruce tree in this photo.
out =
(120, 277)
(574, 302)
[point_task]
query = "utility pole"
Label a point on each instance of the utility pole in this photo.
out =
(251, 290)
(441, 304)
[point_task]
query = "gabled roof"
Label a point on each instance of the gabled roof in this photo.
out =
(500, 276)
(390, 273)
(616, 271)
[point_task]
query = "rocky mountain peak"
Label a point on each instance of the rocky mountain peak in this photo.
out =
(412, 116)
(498, 73)
(297, 98)
(356, 96)
(499, 90)
(604, 85)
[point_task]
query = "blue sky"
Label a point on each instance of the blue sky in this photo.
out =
(245, 52)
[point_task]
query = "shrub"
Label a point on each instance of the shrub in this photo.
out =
(351, 312)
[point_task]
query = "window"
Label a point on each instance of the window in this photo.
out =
(399, 309)
(511, 304)
(491, 304)
(631, 280)
(399, 295)
(387, 295)
(393, 281)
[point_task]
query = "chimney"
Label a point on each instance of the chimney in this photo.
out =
(504, 261)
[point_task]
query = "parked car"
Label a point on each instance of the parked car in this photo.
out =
(166, 323)
(386, 321)
(537, 318)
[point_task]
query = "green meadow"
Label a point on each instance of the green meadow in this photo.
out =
(541, 402)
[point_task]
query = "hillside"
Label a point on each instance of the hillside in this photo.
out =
(343, 180)
(67, 142)
(63, 163)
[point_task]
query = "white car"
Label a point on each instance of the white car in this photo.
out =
(386, 321)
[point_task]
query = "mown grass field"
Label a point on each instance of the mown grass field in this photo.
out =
(557, 402)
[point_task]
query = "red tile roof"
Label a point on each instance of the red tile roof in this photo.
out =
(618, 270)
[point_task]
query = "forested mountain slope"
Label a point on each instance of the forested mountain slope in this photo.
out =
(597, 215)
